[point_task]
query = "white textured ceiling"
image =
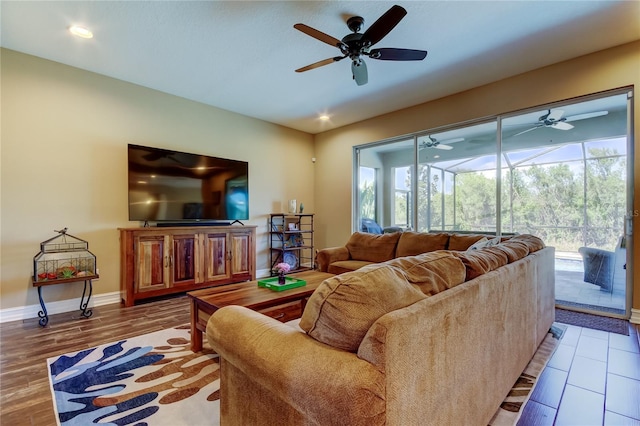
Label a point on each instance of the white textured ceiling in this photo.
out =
(241, 55)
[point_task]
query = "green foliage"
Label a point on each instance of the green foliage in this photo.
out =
(368, 201)
(475, 202)
(568, 204)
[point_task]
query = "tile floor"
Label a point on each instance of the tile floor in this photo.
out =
(593, 378)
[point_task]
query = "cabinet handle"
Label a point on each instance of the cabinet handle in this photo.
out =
(280, 315)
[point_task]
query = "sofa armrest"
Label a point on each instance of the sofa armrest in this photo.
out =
(316, 380)
(327, 256)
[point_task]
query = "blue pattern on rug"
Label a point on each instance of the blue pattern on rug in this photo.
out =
(153, 379)
(76, 385)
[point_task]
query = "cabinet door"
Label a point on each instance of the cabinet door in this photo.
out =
(183, 259)
(216, 258)
(240, 255)
(152, 263)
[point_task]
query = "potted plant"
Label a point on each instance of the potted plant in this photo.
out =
(281, 269)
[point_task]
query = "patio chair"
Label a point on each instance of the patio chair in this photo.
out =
(599, 266)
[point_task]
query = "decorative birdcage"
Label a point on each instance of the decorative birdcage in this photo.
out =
(63, 257)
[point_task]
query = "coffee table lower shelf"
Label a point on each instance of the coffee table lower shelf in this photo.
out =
(282, 305)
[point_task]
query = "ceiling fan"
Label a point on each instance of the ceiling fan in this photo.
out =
(356, 45)
(432, 142)
(554, 118)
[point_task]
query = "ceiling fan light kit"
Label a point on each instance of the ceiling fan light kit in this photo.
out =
(356, 45)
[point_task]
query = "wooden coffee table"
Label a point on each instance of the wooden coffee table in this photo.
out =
(282, 305)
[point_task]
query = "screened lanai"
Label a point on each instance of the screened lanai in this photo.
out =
(562, 176)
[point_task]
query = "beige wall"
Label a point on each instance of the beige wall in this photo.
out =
(63, 153)
(64, 163)
(609, 69)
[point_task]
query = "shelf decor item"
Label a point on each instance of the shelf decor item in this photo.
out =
(63, 257)
(292, 206)
(281, 269)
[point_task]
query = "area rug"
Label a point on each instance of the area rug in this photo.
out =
(153, 379)
(511, 409)
(597, 322)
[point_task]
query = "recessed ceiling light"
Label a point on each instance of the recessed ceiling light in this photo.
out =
(324, 117)
(80, 31)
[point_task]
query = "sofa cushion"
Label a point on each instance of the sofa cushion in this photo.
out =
(481, 261)
(513, 249)
(373, 247)
(342, 309)
(484, 242)
(412, 243)
(342, 266)
(431, 272)
(532, 242)
(461, 242)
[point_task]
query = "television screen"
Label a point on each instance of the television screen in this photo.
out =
(166, 185)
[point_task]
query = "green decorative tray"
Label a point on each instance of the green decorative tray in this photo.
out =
(289, 283)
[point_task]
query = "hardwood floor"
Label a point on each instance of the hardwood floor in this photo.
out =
(25, 397)
(593, 378)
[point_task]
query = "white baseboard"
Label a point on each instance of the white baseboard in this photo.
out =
(263, 273)
(27, 312)
(635, 316)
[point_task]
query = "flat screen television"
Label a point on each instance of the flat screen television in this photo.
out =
(173, 186)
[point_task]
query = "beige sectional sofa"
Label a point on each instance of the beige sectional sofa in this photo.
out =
(364, 249)
(437, 338)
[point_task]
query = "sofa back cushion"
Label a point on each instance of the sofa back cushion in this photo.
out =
(532, 242)
(343, 308)
(478, 262)
(412, 243)
(513, 249)
(431, 272)
(373, 247)
(461, 242)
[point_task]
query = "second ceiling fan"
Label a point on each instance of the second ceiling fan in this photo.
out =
(356, 45)
(555, 119)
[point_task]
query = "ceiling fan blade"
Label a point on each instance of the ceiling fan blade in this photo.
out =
(441, 146)
(391, 54)
(318, 35)
(321, 63)
(384, 24)
(554, 115)
(586, 115)
(525, 131)
(452, 140)
(562, 125)
(359, 70)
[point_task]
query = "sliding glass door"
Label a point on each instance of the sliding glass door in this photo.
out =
(560, 172)
(384, 195)
(565, 179)
(457, 179)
